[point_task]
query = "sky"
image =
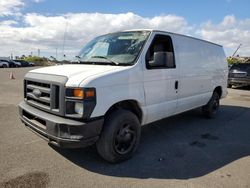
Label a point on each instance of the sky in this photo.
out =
(58, 27)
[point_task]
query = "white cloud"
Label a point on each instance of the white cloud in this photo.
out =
(8, 22)
(47, 32)
(10, 7)
(230, 32)
(38, 1)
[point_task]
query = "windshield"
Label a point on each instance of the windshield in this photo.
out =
(116, 48)
(241, 67)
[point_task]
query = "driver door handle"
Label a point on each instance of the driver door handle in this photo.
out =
(176, 84)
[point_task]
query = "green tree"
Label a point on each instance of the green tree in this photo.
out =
(38, 61)
(233, 60)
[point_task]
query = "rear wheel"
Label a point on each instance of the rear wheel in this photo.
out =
(4, 66)
(120, 136)
(211, 108)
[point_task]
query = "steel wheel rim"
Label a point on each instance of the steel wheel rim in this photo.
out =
(124, 139)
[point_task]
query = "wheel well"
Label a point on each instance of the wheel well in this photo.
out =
(130, 105)
(218, 90)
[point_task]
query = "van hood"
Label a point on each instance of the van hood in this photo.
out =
(76, 73)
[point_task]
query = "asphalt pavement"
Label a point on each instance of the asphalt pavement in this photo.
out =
(186, 150)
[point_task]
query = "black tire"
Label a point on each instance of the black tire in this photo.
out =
(211, 108)
(120, 136)
(4, 66)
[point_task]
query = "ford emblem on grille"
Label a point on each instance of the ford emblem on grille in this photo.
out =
(37, 93)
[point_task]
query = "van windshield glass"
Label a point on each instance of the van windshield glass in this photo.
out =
(115, 49)
(241, 67)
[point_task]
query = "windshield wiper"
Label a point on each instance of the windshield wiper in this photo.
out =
(109, 60)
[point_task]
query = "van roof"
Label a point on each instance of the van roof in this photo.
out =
(155, 30)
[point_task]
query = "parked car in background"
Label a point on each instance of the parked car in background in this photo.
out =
(24, 63)
(239, 75)
(16, 64)
(4, 64)
(32, 64)
(10, 63)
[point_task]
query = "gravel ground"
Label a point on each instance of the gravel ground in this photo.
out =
(186, 150)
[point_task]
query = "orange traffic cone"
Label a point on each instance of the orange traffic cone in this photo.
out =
(12, 76)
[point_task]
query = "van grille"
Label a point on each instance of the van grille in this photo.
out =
(238, 75)
(42, 95)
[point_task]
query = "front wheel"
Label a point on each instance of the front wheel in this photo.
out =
(120, 136)
(211, 108)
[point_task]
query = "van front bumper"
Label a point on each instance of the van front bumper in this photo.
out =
(59, 131)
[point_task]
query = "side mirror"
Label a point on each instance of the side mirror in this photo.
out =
(160, 59)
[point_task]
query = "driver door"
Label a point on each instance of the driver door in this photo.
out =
(160, 80)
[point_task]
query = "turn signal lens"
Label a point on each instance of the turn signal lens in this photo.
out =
(78, 93)
(90, 93)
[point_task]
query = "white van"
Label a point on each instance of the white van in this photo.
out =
(122, 81)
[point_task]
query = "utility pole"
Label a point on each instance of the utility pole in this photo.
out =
(56, 52)
(64, 37)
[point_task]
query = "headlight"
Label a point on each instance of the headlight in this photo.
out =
(79, 102)
(79, 108)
